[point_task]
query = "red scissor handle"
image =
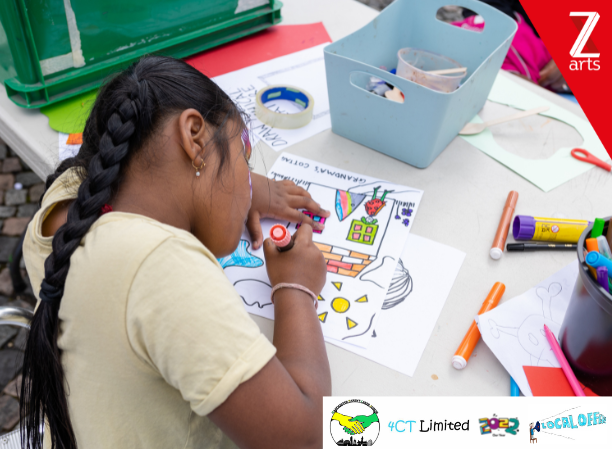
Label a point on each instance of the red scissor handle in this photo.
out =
(585, 156)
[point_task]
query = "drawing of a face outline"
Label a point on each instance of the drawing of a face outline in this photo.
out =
(530, 333)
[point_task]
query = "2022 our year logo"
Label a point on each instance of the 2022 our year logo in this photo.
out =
(498, 427)
(354, 423)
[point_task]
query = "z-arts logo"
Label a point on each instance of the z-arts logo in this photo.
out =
(354, 423)
(584, 47)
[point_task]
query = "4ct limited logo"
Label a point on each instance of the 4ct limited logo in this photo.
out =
(354, 423)
(584, 50)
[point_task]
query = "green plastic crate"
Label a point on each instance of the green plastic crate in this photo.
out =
(51, 50)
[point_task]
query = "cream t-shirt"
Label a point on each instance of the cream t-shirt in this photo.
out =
(153, 335)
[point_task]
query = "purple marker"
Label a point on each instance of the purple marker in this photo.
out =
(602, 278)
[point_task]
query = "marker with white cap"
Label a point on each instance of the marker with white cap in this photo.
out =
(468, 344)
(504, 226)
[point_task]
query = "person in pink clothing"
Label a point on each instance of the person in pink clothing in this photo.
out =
(528, 56)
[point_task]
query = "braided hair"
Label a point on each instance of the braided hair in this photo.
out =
(128, 111)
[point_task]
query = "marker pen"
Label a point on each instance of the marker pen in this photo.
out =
(473, 334)
(602, 278)
(281, 237)
(604, 248)
(497, 250)
(514, 388)
(541, 246)
(596, 260)
(592, 246)
(598, 227)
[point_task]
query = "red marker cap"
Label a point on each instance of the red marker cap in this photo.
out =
(280, 235)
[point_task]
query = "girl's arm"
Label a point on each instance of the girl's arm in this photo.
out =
(282, 405)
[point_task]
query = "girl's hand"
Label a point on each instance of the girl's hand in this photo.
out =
(303, 264)
(280, 200)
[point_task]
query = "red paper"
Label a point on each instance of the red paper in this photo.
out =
(545, 381)
(271, 43)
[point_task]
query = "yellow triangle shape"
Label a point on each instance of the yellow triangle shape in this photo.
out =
(320, 298)
(323, 317)
(350, 323)
(338, 285)
(364, 298)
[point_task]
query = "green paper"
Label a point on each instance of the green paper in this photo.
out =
(69, 116)
(561, 166)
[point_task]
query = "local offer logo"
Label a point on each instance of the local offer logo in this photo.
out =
(584, 51)
(354, 423)
(564, 424)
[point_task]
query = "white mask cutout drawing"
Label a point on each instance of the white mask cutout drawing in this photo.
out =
(530, 333)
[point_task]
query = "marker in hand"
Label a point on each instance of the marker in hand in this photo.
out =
(281, 237)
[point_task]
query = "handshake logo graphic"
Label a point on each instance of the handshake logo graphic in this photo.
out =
(355, 423)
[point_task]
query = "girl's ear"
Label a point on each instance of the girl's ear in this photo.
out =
(192, 131)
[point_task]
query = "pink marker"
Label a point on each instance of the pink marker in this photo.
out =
(567, 370)
(281, 237)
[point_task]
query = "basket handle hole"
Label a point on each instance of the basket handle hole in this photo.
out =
(461, 17)
(376, 86)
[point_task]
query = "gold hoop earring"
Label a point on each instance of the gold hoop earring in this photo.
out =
(197, 169)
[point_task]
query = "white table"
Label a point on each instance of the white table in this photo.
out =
(464, 193)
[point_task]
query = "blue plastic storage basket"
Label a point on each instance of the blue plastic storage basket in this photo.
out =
(417, 130)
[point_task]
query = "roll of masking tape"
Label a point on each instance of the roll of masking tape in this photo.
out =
(279, 120)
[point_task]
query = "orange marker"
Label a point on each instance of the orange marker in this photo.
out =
(504, 226)
(592, 245)
(473, 334)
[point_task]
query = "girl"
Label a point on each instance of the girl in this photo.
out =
(139, 340)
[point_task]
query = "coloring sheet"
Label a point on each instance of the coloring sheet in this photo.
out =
(304, 69)
(515, 330)
(412, 305)
(362, 242)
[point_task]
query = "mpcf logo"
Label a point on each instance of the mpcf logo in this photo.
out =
(584, 50)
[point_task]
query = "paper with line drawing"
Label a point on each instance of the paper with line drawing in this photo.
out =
(362, 241)
(515, 330)
(412, 305)
(304, 69)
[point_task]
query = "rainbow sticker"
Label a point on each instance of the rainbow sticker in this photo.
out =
(347, 202)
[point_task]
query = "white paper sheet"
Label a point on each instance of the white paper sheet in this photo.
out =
(65, 150)
(515, 330)
(304, 69)
(361, 248)
(412, 306)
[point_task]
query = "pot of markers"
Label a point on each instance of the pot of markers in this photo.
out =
(586, 332)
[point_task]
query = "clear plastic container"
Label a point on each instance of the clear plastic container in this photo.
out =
(413, 64)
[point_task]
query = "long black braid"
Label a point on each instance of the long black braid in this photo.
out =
(126, 114)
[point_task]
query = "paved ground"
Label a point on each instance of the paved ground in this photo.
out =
(20, 190)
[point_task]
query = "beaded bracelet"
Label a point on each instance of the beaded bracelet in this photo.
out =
(296, 287)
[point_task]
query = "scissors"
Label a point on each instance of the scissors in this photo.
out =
(585, 156)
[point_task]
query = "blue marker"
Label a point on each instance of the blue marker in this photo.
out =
(596, 260)
(514, 388)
